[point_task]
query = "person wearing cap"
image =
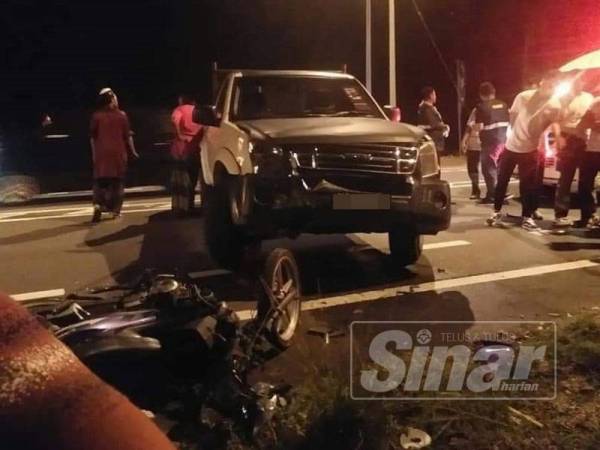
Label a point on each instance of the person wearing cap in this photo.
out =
(186, 156)
(430, 119)
(111, 142)
(471, 146)
(571, 146)
(492, 119)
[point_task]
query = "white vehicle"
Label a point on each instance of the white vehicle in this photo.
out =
(551, 174)
(291, 152)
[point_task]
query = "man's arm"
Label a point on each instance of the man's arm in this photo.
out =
(433, 120)
(128, 136)
(93, 134)
(556, 131)
(50, 400)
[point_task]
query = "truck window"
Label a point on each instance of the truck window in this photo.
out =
(299, 97)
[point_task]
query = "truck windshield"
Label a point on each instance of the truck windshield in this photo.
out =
(279, 97)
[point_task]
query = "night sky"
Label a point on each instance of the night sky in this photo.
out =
(62, 52)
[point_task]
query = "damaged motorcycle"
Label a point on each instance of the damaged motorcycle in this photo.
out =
(165, 340)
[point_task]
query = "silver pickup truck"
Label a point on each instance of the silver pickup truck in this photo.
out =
(290, 152)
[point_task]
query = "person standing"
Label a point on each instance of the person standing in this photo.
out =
(111, 142)
(590, 165)
(186, 156)
(531, 119)
(492, 117)
(471, 146)
(520, 102)
(430, 119)
(571, 145)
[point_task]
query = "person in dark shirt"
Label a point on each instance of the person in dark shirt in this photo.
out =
(430, 119)
(492, 118)
(590, 165)
(471, 147)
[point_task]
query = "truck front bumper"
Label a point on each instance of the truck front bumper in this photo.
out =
(425, 207)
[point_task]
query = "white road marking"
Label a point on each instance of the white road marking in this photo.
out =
(70, 194)
(388, 293)
(379, 241)
(448, 244)
(454, 170)
(24, 211)
(38, 295)
(380, 294)
(460, 184)
(81, 213)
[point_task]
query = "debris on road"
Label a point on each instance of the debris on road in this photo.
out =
(522, 415)
(326, 332)
(415, 439)
(554, 314)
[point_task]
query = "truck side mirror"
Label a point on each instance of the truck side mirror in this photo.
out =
(206, 115)
(393, 113)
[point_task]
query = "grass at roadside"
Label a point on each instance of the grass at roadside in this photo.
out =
(323, 416)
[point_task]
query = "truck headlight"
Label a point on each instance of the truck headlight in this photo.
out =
(269, 161)
(428, 159)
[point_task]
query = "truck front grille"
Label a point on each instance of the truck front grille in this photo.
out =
(381, 158)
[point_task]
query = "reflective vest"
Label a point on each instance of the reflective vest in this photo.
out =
(494, 117)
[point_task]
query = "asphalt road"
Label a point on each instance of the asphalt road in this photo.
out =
(468, 273)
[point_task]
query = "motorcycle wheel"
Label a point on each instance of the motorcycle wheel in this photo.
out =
(282, 278)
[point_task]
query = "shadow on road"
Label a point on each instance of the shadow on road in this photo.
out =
(165, 243)
(41, 234)
(335, 264)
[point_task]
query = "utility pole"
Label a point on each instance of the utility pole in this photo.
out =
(392, 45)
(369, 43)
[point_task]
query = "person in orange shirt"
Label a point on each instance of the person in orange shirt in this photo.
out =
(186, 156)
(111, 142)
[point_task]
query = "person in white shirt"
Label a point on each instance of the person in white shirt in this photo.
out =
(589, 165)
(570, 146)
(530, 118)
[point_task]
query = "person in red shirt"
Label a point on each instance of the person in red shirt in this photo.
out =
(186, 156)
(111, 143)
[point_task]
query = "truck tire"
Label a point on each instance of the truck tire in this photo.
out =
(406, 246)
(225, 241)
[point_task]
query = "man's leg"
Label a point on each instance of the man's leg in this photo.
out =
(567, 166)
(97, 200)
(118, 195)
(473, 158)
(528, 182)
(489, 168)
(193, 168)
(587, 175)
(539, 189)
(507, 163)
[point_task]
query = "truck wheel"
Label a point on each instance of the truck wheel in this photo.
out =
(406, 246)
(282, 279)
(224, 240)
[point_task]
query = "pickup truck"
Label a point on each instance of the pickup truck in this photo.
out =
(291, 152)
